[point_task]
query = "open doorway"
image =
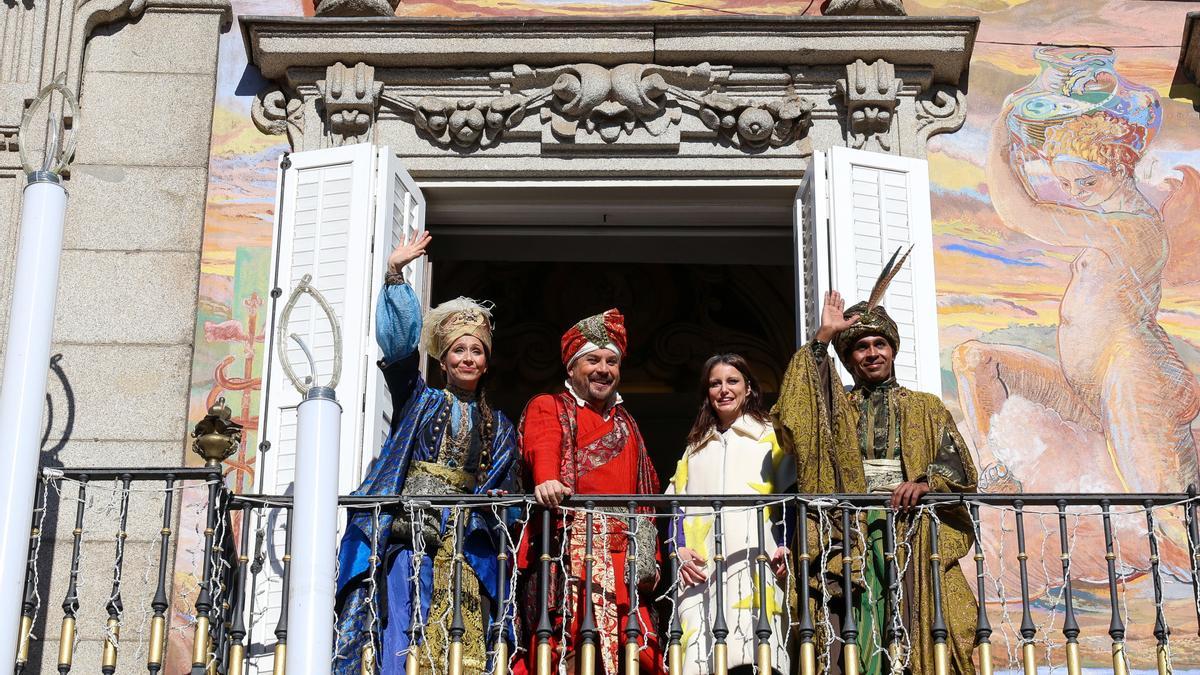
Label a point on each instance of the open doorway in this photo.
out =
(720, 279)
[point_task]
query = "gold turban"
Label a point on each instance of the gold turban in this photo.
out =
(874, 321)
(453, 319)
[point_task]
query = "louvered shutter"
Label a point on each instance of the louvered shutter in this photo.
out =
(327, 212)
(855, 208)
(325, 229)
(399, 216)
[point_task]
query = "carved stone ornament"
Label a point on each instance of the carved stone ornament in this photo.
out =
(467, 121)
(869, 93)
(356, 7)
(274, 113)
(589, 105)
(591, 100)
(750, 124)
(940, 110)
(864, 8)
(349, 98)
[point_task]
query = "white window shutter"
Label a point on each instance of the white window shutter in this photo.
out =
(871, 204)
(328, 203)
(325, 228)
(399, 216)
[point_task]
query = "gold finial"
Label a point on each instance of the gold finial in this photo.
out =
(216, 436)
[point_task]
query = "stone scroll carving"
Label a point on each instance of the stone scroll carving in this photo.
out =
(940, 110)
(346, 102)
(595, 104)
(870, 94)
(275, 113)
(750, 124)
(586, 105)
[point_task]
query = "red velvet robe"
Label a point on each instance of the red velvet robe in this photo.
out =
(602, 456)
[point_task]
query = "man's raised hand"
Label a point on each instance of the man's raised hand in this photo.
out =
(832, 318)
(408, 251)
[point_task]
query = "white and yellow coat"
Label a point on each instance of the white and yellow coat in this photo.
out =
(744, 459)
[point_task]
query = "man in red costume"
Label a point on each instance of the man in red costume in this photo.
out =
(582, 441)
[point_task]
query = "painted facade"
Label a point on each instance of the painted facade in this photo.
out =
(1084, 185)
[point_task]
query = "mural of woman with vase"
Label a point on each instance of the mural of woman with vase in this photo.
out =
(1060, 170)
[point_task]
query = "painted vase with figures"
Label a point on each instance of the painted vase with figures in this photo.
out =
(1081, 81)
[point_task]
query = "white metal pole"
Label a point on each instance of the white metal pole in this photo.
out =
(314, 534)
(23, 392)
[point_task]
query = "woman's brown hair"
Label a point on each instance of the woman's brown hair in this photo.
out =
(706, 418)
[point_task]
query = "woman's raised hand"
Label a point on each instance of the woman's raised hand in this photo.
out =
(832, 319)
(408, 251)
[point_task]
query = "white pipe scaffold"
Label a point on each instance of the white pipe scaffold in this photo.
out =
(27, 349)
(313, 523)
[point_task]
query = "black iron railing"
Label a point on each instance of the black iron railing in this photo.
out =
(237, 628)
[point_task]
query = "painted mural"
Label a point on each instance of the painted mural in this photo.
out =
(1069, 297)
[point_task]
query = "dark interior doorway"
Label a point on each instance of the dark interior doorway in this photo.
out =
(677, 316)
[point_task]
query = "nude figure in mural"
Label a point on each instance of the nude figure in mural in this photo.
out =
(1123, 398)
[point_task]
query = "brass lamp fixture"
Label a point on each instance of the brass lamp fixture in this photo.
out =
(216, 436)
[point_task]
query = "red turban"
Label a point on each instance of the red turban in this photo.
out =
(602, 331)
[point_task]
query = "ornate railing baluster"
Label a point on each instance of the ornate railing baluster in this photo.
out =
(235, 653)
(1116, 627)
(1028, 628)
(202, 639)
(223, 623)
(1070, 625)
(500, 640)
(983, 627)
(279, 660)
(941, 654)
(158, 623)
(115, 607)
(891, 578)
(29, 596)
(720, 629)
(633, 624)
(675, 635)
(1193, 537)
(457, 627)
(367, 657)
(588, 638)
(808, 650)
(849, 627)
(762, 630)
(66, 633)
(544, 627)
(940, 632)
(1161, 630)
(412, 658)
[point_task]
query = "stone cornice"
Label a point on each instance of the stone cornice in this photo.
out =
(595, 96)
(942, 44)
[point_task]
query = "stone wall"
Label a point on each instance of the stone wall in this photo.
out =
(130, 267)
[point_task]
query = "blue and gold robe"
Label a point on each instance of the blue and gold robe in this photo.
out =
(422, 417)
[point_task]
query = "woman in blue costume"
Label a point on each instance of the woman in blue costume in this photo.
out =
(442, 441)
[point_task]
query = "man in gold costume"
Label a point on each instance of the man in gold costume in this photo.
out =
(876, 437)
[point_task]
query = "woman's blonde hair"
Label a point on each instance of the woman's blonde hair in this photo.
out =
(1100, 138)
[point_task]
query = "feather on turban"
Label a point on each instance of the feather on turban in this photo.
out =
(602, 331)
(873, 319)
(453, 319)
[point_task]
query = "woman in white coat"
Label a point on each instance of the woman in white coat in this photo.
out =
(731, 450)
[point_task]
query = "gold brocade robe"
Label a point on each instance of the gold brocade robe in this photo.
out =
(820, 424)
